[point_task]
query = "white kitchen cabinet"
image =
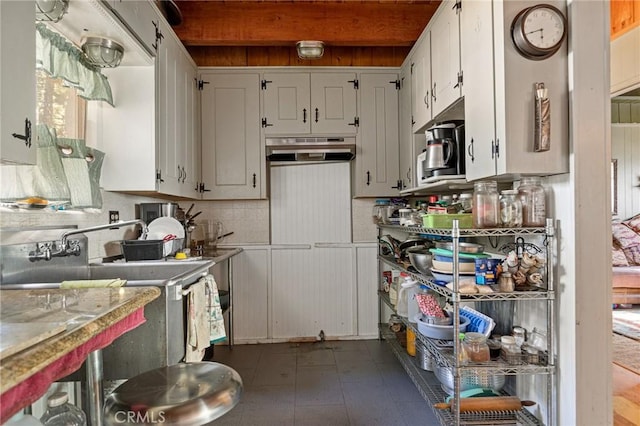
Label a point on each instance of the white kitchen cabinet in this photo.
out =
(421, 110)
(250, 294)
(233, 159)
(150, 137)
(141, 19)
(499, 96)
(407, 151)
(177, 142)
(376, 159)
(445, 56)
(367, 289)
(625, 62)
(309, 103)
(17, 82)
(313, 290)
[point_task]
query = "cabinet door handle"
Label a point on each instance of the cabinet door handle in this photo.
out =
(254, 180)
(304, 115)
(184, 174)
(368, 178)
(179, 174)
(317, 115)
(426, 99)
(493, 149)
(470, 150)
(27, 133)
(433, 93)
(409, 174)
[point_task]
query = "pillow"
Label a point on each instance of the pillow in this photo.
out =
(618, 257)
(633, 223)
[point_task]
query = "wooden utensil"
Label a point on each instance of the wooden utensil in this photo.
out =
(488, 403)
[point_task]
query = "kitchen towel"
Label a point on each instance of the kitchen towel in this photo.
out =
(217, 332)
(197, 323)
(116, 282)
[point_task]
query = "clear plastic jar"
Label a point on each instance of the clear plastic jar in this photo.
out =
(476, 347)
(509, 350)
(519, 335)
(379, 211)
(510, 209)
(486, 206)
(61, 413)
(405, 217)
(533, 198)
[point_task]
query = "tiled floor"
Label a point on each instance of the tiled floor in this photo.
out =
(329, 383)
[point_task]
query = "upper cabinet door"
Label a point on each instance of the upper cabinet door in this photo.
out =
(407, 150)
(140, 17)
(232, 156)
(286, 103)
(377, 158)
(303, 103)
(445, 56)
(17, 82)
(477, 60)
(421, 83)
(333, 103)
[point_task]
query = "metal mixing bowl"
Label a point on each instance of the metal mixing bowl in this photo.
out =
(420, 257)
(462, 247)
(469, 379)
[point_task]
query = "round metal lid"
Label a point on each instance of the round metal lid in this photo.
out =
(182, 394)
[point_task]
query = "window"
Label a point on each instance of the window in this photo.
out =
(59, 107)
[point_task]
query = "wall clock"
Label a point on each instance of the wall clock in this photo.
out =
(538, 31)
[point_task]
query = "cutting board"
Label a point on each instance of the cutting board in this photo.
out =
(15, 337)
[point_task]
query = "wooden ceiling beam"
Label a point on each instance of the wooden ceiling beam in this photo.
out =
(282, 23)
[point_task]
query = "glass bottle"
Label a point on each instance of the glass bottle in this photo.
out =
(532, 196)
(486, 205)
(476, 347)
(466, 200)
(510, 209)
(61, 413)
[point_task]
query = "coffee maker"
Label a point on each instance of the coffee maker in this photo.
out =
(445, 149)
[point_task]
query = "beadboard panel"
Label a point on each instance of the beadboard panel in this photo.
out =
(367, 290)
(312, 291)
(625, 148)
(250, 294)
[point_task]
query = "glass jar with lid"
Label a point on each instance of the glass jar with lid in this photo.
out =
(379, 211)
(533, 198)
(466, 201)
(510, 209)
(486, 205)
(476, 347)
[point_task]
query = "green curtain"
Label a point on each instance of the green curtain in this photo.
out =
(61, 59)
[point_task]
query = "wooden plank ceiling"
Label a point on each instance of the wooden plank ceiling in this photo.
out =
(262, 33)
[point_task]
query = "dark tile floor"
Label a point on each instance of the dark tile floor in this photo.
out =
(329, 383)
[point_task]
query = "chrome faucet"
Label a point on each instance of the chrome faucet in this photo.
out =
(45, 251)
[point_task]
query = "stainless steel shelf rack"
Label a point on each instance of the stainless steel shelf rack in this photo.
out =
(447, 356)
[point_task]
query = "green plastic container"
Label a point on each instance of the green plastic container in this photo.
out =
(445, 221)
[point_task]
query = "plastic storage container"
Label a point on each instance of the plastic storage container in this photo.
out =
(61, 413)
(445, 221)
(379, 211)
(406, 295)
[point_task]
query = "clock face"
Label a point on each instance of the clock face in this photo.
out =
(538, 31)
(544, 27)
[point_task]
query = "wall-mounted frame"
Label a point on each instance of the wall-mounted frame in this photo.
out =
(614, 186)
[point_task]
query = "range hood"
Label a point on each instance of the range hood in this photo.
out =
(311, 149)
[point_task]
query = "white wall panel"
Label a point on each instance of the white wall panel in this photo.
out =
(311, 203)
(625, 147)
(367, 290)
(312, 290)
(250, 294)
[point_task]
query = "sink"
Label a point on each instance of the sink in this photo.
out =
(146, 273)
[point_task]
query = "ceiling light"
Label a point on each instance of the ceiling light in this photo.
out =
(51, 10)
(310, 49)
(103, 52)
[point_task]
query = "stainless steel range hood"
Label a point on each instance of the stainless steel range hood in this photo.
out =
(311, 149)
